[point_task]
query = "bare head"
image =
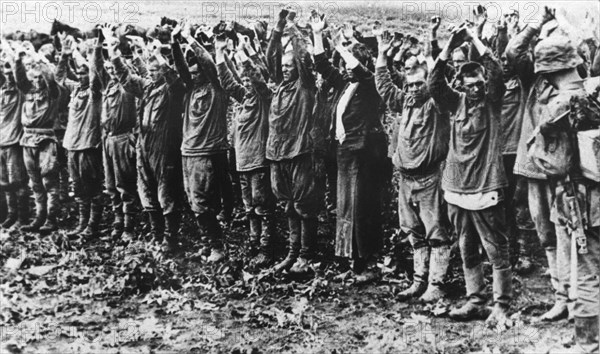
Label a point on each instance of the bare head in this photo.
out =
(288, 67)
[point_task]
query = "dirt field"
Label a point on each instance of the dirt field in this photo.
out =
(61, 297)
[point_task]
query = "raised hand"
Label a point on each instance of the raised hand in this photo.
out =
(113, 48)
(337, 39)
(384, 41)
(175, 32)
(480, 14)
(376, 29)
(399, 41)
(317, 23)
(434, 23)
(348, 31)
(291, 17)
(106, 31)
(61, 37)
(220, 42)
(68, 45)
(548, 15)
(186, 30)
(457, 37)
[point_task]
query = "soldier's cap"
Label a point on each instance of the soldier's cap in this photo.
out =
(555, 53)
(469, 67)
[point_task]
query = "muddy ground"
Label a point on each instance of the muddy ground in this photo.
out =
(65, 296)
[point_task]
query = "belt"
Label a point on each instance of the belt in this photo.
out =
(113, 135)
(45, 131)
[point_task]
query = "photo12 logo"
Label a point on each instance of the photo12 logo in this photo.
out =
(69, 11)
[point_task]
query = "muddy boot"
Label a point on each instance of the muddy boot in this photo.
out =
(117, 226)
(498, 317)
(421, 267)
(23, 209)
(294, 245)
(265, 256)
(255, 227)
(557, 312)
(474, 308)
(308, 235)
(586, 334)
(94, 221)
(157, 227)
(128, 228)
(38, 221)
(172, 222)
(369, 274)
(50, 225)
(438, 267)
(12, 206)
(84, 215)
(551, 256)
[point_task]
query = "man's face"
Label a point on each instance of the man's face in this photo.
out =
(27, 62)
(110, 70)
(154, 71)
(507, 68)
(83, 75)
(288, 68)
(458, 59)
(8, 73)
(36, 78)
(474, 87)
(247, 83)
(416, 84)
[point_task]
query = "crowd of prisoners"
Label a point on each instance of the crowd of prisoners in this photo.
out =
(487, 135)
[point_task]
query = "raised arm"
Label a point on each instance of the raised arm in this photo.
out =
(205, 60)
(97, 72)
(302, 58)
(180, 64)
(131, 83)
(275, 50)
(233, 87)
(434, 47)
(443, 95)
(389, 92)
(517, 50)
(20, 73)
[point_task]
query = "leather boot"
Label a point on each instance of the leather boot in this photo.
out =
(216, 241)
(502, 286)
(474, 308)
(128, 228)
(294, 245)
(265, 255)
(84, 215)
(23, 208)
(51, 223)
(157, 227)
(255, 228)
(421, 259)
(12, 206)
(308, 236)
(172, 222)
(438, 267)
(94, 220)
(38, 221)
(557, 312)
(117, 226)
(586, 333)
(551, 257)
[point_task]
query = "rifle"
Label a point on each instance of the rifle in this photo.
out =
(577, 221)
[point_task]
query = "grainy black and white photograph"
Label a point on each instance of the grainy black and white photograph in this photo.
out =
(331, 177)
